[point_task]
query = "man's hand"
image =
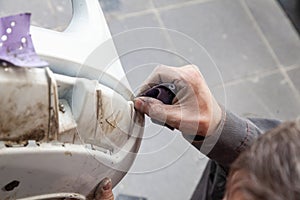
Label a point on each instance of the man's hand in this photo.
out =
(103, 191)
(194, 111)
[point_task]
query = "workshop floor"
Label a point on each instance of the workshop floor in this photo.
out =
(253, 69)
(257, 53)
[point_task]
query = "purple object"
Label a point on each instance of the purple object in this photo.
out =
(165, 92)
(16, 46)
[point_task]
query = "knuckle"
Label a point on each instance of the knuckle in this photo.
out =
(194, 68)
(191, 66)
(159, 68)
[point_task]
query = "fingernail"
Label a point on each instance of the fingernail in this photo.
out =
(106, 187)
(138, 103)
(106, 184)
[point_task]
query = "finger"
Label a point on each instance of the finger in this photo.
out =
(104, 190)
(144, 104)
(179, 76)
(161, 74)
(155, 109)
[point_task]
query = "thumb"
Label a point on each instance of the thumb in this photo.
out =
(104, 191)
(156, 109)
(149, 106)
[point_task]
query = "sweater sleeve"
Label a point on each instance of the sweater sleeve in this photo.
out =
(233, 135)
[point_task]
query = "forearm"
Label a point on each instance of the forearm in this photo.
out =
(233, 135)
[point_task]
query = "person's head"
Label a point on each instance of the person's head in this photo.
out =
(270, 169)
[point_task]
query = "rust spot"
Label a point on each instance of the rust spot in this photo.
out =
(37, 134)
(68, 153)
(99, 107)
(53, 127)
(12, 124)
(40, 106)
(112, 123)
(109, 125)
(98, 104)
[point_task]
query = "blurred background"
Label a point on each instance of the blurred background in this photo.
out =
(248, 51)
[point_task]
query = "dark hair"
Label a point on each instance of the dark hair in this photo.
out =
(271, 165)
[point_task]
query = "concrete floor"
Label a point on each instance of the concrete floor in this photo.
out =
(253, 68)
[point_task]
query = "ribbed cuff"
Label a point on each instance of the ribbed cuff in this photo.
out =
(233, 135)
